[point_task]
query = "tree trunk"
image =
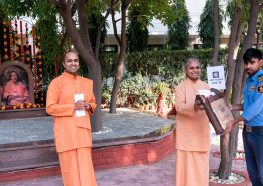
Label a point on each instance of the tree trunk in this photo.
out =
(99, 31)
(96, 119)
(225, 166)
(228, 142)
(216, 31)
(258, 39)
(116, 84)
(122, 43)
(234, 42)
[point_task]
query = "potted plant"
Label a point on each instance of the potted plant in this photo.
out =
(162, 89)
(105, 97)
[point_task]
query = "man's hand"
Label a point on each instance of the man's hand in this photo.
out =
(237, 107)
(230, 106)
(229, 127)
(80, 105)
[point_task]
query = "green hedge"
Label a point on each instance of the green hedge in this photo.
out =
(138, 85)
(167, 64)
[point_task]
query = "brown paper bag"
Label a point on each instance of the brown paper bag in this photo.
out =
(217, 110)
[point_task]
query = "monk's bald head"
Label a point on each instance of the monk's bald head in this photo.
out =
(70, 53)
(192, 69)
(190, 61)
(71, 62)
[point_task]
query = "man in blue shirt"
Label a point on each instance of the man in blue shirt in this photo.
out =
(252, 115)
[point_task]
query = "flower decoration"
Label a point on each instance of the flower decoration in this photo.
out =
(21, 106)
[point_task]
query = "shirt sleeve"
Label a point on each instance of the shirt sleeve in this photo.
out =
(52, 104)
(180, 102)
(254, 109)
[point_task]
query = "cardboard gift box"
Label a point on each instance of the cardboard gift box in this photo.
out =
(216, 109)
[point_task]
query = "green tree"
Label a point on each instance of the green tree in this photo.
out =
(97, 25)
(178, 34)
(160, 9)
(72, 25)
(137, 31)
(241, 12)
(206, 26)
(43, 14)
(53, 42)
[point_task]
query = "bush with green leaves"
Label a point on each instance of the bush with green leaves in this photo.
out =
(106, 94)
(136, 90)
(138, 86)
(162, 88)
(167, 64)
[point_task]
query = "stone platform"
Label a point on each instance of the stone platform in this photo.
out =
(128, 138)
(23, 113)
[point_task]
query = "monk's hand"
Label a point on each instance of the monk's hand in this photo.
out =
(87, 106)
(198, 106)
(80, 105)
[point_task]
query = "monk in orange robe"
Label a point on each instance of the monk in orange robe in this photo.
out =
(192, 130)
(70, 100)
(15, 91)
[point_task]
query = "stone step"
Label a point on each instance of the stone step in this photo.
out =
(27, 164)
(28, 155)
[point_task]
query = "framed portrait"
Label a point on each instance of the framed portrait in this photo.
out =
(16, 84)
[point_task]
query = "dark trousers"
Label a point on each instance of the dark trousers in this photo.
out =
(253, 146)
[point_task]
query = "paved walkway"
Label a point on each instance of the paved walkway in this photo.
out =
(158, 174)
(126, 124)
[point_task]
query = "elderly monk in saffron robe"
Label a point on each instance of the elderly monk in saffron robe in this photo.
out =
(70, 100)
(15, 91)
(192, 130)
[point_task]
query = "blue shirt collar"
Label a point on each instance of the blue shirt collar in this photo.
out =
(255, 76)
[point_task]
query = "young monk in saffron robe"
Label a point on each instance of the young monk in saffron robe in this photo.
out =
(70, 100)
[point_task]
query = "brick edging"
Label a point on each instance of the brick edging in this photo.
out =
(133, 154)
(108, 157)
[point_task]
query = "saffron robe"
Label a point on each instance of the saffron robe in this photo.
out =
(17, 91)
(72, 135)
(192, 136)
(70, 132)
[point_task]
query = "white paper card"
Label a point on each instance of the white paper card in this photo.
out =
(205, 93)
(79, 113)
(216, 77)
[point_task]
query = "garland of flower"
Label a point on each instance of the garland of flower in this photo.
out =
(11, 40)
(5, 42)
(23, 53)
(17, 51)
(27, 54)
(40, 75)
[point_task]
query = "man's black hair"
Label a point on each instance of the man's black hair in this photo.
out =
(252, 53)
